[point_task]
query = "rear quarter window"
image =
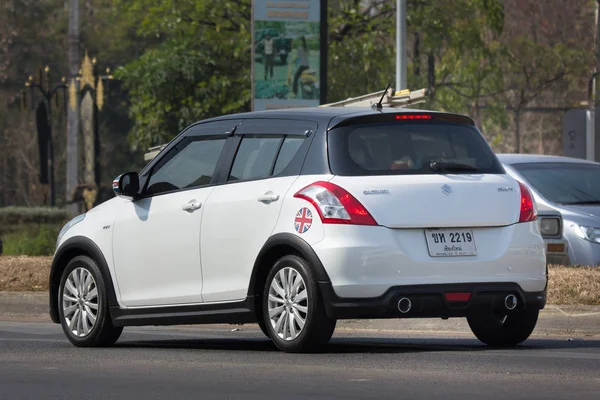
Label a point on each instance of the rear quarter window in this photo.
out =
(404, 148)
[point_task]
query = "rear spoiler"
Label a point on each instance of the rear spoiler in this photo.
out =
(400, 116)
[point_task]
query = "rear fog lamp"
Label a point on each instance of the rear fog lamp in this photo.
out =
(458, 296)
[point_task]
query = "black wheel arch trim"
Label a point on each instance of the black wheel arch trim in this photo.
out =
(299, 245)
(72, 247)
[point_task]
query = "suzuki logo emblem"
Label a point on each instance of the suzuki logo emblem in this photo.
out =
(447, 190)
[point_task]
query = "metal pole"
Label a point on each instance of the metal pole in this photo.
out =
(590, 115)
(400, 45)
(591, 134)
(73, 109)
(590, 145)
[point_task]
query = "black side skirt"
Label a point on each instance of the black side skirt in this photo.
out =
(223, 313)
(427, 301)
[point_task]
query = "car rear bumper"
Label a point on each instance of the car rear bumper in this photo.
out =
(430, 301)
(365, 262)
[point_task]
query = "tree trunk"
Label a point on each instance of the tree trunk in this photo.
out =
(518, 131)
(417, 55)
(541, 149)
(73, 108)
(597, 46)
(3, 174)
(431, 75)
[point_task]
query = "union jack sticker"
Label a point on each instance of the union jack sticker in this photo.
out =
(303, 220)
(115, 184)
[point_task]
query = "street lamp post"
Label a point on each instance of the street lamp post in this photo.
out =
(48, 93)
(91, 101)
(400, 45)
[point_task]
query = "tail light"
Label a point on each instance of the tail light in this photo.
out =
(335, 205)
(528, 206)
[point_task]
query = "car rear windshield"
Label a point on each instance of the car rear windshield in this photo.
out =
(405, 148)
(564, 183)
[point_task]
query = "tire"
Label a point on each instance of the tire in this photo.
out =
(317, 329)
(263, 327)
(85, 332)
(493, 330)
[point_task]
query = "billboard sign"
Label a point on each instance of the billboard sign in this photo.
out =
(289, 53)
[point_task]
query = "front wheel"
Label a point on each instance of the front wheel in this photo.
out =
(508, 329)
(294, 313)
(83, 306)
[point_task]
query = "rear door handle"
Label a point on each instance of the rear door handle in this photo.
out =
(191, 206)
(268, 197)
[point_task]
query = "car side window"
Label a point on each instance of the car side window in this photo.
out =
(190, 167)
(254, 157)
(290, 147)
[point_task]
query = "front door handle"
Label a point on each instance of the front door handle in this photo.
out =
(268, 197)
(191, 206)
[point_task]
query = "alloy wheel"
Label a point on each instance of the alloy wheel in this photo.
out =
(288, 303)
(80, 302)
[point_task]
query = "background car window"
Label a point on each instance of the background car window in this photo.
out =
(254, 158)
(564, 183)
(193, 166)
(288, 150)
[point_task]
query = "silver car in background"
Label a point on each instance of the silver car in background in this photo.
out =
(571, 186)
(551, 227)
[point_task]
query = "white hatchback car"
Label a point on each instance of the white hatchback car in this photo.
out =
(297, 218)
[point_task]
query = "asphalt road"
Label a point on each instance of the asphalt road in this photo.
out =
(37, 362)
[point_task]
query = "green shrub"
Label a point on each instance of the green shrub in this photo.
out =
(31, 241)
(13, 219)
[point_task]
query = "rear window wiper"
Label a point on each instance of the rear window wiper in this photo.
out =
(451, 166)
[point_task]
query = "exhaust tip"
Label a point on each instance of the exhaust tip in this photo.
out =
(404, 305)
(510, 302)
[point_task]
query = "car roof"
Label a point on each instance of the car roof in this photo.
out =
(319, 113)
(512, 159)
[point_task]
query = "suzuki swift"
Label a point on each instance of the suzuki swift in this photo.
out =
(294, 219)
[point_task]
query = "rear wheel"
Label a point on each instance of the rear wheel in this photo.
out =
(263, 327)
(293, 310)
(505, 329)
(83, 307)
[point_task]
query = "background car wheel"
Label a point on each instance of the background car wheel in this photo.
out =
(507, 329)
(83, 307)
(293, 311)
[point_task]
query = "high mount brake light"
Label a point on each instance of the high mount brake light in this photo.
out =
(335, 205)
(412, 116)
(528, 207)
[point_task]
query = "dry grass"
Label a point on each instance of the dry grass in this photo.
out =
(574, 285)
(568, 285)
(23, 273)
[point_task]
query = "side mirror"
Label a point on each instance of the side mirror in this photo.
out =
(127, 185)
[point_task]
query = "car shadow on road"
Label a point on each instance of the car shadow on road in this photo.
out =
(362, 345)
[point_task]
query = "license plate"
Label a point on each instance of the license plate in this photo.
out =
(450, 242)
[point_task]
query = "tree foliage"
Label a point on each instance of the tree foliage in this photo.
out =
(200, 68)
(179, 61)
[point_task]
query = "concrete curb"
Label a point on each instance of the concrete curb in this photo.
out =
(573, 321)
